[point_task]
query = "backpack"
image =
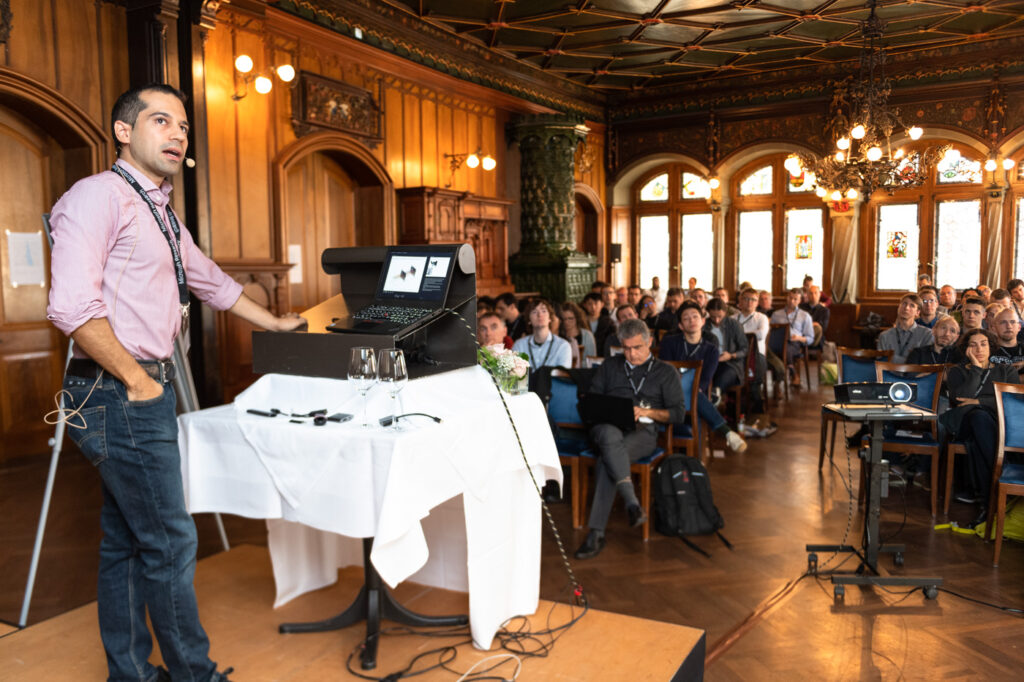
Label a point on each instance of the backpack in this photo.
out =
(682, 501)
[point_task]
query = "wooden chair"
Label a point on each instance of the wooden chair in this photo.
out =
(1007, 477)
(570, 434)
(855, 364)
(690, 436)
(781, 331)
(741, 392)
(929, 380)
(952, 449)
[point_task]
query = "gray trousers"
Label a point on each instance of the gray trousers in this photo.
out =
(616, 450)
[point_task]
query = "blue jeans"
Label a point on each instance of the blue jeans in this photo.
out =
(148, 551)
(707, 411)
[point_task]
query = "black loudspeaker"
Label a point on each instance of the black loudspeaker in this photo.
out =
(875, 393)
(616, 253)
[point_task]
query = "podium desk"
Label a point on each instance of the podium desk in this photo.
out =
(316, 483)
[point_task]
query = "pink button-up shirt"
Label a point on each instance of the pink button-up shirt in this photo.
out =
(110, 260)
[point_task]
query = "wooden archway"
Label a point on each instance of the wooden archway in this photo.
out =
(594, 219)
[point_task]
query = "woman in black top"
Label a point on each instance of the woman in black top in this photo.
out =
(972, 417)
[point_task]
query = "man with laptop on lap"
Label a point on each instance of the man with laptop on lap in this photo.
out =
(654, 389)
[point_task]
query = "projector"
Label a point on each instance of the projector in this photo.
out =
(875, 393)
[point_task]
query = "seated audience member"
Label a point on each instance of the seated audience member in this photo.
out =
(656, 292)
(598, 319)
(491, 331)
(691, 286)
(972, 417)
(971, 313)
(700, 297)
(1016, 289)
(647, 310)
(637, 375)
(991, 310)
(667, 319)
(597, 287)
(541, 345)
(633, 295)
(621, 296)
(820, 314)
(1008, 349)
(942, 349)
(484, 304)
(732, 345)
(947, 298)
(801, 329)
(696, 345)
(906, 334)
(924, 280)
(1002, 297)
(507, 305)
(722, 294)
(622, 313)
(806, 290)
(574, 330)
(984, 293)
(929, 306)
(753, 322)
(608, 298)
(764, 303)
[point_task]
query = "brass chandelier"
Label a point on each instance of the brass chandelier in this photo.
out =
(862, 124)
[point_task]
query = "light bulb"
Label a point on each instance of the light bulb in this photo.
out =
(915, 133)
(263, 85)
(714, 183)
(840, 157)
(286, 72)
(810, 178)
(792, 164)
(898, 154)
(858, 132)
(851, 194)
(489, 163)
(1008, 164)
(243, 63)
(874, 154)
(837, 195)
(820, 191)
(843, 143)
(472, 160)
(990, 164)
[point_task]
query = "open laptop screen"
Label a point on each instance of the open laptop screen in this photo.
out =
(415, 274)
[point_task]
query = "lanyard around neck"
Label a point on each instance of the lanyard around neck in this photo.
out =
(529, 349)
(636, 389)
(174, 242)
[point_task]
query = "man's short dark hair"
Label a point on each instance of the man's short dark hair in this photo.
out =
(999, 293)
(975, 300)
(689, 305)
(675, 291)
(928, 287)
(716, 304)
(508, 298)
(592, 296)
(485, 301)
(1014, 283)
(130, 104)
(634, 286)
(491, 313)
(599, 284)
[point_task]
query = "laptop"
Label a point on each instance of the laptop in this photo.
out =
(606, 409)
(412, 288)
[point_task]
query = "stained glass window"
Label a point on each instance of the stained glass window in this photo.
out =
(897, 247)
(798, 183)
(695, 187)
(958, 243)
(654, 248)
(758, 182)
(698, 249)
(656, 189)
(805, 238)
(755, 248)
(955, 168)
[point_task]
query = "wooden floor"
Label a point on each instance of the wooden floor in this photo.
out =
(762, 622)
(236, 589)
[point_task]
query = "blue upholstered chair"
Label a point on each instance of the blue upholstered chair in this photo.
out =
(570, 434)
(855, 364)
(1007, 477)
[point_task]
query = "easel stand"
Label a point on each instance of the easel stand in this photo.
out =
(371, 604)
(868, 573)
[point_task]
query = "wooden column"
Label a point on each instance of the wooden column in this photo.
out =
(152, 42)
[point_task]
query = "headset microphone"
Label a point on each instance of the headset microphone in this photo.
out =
(190, 162)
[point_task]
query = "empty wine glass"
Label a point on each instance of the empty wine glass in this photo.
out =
(362, 373)
(392, 375)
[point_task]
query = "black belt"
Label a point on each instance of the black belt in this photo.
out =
(160, 370)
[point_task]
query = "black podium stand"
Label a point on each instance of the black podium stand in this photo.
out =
(371, 604)
(867, 573)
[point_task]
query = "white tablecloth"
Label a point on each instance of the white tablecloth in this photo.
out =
(358, 483)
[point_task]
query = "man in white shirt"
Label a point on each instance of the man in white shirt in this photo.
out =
(756, 323)
(906, 334)
(801, 328)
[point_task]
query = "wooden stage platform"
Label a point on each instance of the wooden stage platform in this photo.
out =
(236, 590)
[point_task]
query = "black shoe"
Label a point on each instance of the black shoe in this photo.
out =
(965, 497)
(162, 675)
(637, 515)
(981, 518)
(592, 546)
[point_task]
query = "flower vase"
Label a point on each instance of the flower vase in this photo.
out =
(514, 385)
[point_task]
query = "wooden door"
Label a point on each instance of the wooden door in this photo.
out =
(31, 350)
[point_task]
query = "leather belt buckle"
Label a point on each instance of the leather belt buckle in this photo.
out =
(166, 371)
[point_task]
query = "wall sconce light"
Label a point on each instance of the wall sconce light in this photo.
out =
(472, 160)
(261, 81)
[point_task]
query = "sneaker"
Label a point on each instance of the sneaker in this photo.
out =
(591, 546)
(637, 515)
(735, 442)
(162, 675)
(965, 497)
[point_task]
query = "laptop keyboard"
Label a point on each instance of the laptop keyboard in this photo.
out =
(392, 313)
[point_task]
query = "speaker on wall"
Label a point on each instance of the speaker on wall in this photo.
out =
(616, 253)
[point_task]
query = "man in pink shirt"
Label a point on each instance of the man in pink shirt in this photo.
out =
(122, 267)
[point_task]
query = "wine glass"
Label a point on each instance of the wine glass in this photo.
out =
(392, 374)
(362, 372)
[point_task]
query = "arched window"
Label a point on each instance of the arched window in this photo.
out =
(779, 227)
(675, 238)
(934, 229)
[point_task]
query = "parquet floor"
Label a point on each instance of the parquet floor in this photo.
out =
(774, 502)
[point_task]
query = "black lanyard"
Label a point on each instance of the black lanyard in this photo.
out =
(636, 389)
(173, 242)
(686, 347)
(901, 347)
(529, 350)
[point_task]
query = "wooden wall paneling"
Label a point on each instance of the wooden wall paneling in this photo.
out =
(78, 56)
(393, 134)
(412, 150)
(621, 224)
(32, 42)
(460, 145)
(113, 58)
(369, 215)
(253, 156)
(473, 175)
(445, 141)
(429, 129)
(488, 140)
(34, 375)
(293, 207)
(222, 121)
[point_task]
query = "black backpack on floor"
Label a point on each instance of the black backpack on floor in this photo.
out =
(682, 501)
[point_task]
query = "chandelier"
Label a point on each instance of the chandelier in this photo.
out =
(862, 123)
